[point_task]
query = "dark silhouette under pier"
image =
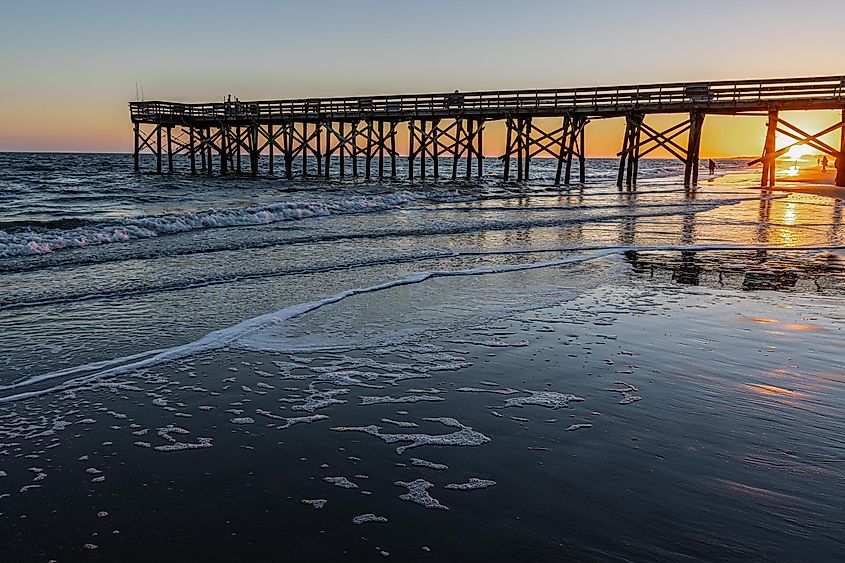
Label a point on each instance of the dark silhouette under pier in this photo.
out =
(452, 125)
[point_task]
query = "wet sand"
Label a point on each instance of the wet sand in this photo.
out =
(638, 419)
(811, 181)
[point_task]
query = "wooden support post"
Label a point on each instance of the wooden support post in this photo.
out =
(840, 161)
(769, 149)
(435, 146)
(202, 141)
(470, 137)
(620, 178)
(192, 150)
(230, 153)
(456, 148)
(480, 152)
(570, 151)
(631, 155)
(520, 141)
(697, 153)
(693, 149)
(411, 153)
(635, 176)
(208, 156)
(380, 150)
(368, 157)
(562, 153)
(305, 148)
(158, 149)
(238, 148)
(527, 149)
(203, 150)
(224, 149)
(342, 149)
(270, 146)
(634, 157)
(318, 151)
(576, 140)
(688, 163)
(423, 149)
(136, 153)
(582, 156)
(354, 135)
(170, 150)
(253, 149)
(328, 149)
(507, 171)
(393, 149)
(289, 131)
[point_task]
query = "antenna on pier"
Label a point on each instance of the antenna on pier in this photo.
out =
(137, 98)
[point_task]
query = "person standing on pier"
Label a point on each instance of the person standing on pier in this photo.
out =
(712, 165)
(825, 162)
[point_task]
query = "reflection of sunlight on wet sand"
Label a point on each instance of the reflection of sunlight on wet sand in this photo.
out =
(799, 327)
(803, 327)
(772, 394)
(763, 320)
(757, 494)
(790, 213)
(773, 390)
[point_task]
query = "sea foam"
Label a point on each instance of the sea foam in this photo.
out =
(28, 242)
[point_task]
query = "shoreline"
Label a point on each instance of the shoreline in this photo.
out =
(808, 180)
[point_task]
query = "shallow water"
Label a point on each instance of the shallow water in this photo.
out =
(263, 369)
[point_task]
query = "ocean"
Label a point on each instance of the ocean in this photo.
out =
(262, 369)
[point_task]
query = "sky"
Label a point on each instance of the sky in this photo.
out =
(68, 69)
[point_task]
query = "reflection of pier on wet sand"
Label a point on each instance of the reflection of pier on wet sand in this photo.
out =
(775, 270)
(323, 133)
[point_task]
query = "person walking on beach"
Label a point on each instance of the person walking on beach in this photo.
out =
(825, 162)
(712, 165)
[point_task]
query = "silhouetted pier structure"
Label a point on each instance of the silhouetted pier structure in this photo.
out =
(363, 130)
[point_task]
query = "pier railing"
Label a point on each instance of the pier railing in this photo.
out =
(649, 97)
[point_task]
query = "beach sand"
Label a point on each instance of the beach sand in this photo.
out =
(810, 181)
(641, 415)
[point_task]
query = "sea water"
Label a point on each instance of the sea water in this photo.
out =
(560, 373)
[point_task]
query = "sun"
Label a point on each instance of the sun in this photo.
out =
(797, 152)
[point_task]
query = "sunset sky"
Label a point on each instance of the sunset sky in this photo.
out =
(70, 68)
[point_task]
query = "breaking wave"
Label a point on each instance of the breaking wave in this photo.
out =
(34, 240)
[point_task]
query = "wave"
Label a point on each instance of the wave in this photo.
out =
(34, 240)
(468, 224)
(13, 301)
(240, 333)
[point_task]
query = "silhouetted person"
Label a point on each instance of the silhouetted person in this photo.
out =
(825, 162)
(712, 167)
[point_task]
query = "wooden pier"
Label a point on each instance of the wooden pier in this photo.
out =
(357, 135)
